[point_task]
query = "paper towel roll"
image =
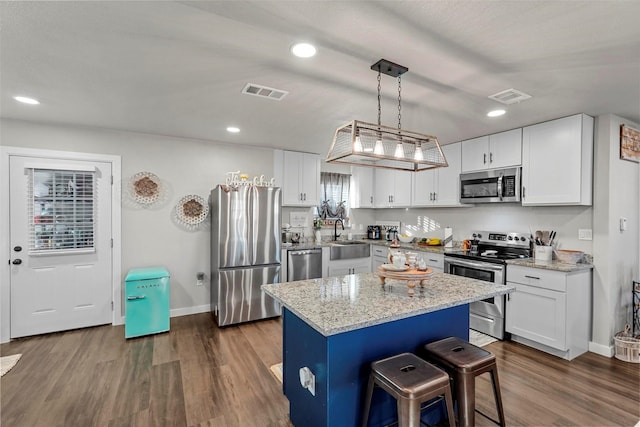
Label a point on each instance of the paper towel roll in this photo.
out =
(448, 237)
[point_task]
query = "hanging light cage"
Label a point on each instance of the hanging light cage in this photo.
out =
(368, 144)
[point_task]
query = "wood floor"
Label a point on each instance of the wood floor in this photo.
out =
(199, 375)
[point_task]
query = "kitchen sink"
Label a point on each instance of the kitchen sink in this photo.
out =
(349, 249)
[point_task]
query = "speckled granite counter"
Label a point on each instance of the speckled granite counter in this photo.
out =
(339, 304)
(555, 265)
(333, 329)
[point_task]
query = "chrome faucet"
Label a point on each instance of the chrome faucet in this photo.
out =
(335, 228)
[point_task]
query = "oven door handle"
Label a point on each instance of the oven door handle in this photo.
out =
(479, 265)
(500, 186)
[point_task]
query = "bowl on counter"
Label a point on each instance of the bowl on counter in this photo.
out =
(569, 256)
(405, 239)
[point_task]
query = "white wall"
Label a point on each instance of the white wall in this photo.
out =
(149, 235)
(616, 253)
(507, 217)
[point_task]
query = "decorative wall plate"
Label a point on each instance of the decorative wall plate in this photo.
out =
(145, 188)
(191, 210)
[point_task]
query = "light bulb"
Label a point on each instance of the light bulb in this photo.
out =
(357, 145)
(418, 154)
(379, 150)
(399, 151)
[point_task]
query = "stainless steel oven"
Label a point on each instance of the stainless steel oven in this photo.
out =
(486, 316)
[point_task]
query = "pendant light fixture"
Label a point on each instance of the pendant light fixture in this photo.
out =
(368, 144)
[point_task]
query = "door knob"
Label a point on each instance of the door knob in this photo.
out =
(17, 248)
(16, 261)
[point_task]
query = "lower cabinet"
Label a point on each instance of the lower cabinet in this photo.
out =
(434, 261)
(379, 256)
(550, 310)
(349, 266)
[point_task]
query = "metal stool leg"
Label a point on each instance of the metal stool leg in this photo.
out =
(448, 398)
(497, 395)
(465, 385)
(408, 412)
(367, 401)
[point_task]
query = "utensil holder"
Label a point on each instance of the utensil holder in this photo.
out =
(543, 254)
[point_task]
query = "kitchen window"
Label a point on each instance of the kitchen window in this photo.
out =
(61, 211)
(334, 195)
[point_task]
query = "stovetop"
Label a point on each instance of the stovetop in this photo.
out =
(496, 247)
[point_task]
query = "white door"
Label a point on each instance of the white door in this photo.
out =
(60, 226)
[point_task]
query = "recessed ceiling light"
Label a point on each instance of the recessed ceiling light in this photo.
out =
(303, 50)
(26, 100)
(233, 129)
(495, 113)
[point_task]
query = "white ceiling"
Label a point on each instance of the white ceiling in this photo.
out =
(177, 68)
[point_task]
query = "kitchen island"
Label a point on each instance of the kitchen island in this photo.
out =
(337, 326)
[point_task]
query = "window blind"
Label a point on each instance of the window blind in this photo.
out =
(61, 211)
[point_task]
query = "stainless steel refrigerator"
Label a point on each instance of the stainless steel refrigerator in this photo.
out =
(245, 252)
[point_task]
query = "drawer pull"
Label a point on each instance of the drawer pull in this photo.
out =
(532, 277)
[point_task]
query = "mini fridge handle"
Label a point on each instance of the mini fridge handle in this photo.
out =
(134, 297)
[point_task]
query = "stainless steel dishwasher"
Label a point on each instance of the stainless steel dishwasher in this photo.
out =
(304, 264)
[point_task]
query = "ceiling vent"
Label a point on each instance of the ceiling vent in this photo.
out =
(509, 96)
(264, 92)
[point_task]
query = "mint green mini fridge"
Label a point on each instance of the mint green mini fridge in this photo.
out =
(146, 301)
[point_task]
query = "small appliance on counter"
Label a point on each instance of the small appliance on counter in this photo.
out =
(391, 234)
(373, 232)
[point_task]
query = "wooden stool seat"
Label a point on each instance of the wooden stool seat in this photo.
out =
(411, 381)
(465, 361)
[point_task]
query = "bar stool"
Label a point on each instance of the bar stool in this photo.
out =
(411, 381)
(464, 362)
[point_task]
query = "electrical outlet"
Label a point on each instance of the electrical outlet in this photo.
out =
(585, 234)
(200, 279)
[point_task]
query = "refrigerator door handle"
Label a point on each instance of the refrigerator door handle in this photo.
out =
(135, 297)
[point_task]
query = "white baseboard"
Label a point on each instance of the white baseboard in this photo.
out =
(177, 312)
(602, 350)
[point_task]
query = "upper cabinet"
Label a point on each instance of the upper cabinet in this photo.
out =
(300, 177)
(557, 162)
(361, 188)
(392, 188)
(499, 150)
(441, 186)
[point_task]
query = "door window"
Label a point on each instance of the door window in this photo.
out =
(61, 209)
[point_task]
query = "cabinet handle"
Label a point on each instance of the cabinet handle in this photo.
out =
(371, 199)
(490, 157)
(484, 159)
(305, 197)
(300, 196)
(433, 260)
(523, 190)
(532, 277)
(435, 196)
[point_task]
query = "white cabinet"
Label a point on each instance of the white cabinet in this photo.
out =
(300, 178)
(392, 188)
(435, 261)
(349, 266)
(441, 186)
(557, 162)
(550, 310)
(361, 188)
(379, 256)
(492, 151)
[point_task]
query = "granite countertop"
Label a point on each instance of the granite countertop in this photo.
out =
(555, 265)
(384, 243)
(340, 304)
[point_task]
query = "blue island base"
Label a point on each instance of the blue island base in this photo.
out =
(341, 365)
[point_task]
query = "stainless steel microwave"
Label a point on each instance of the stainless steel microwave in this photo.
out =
(490, 186)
